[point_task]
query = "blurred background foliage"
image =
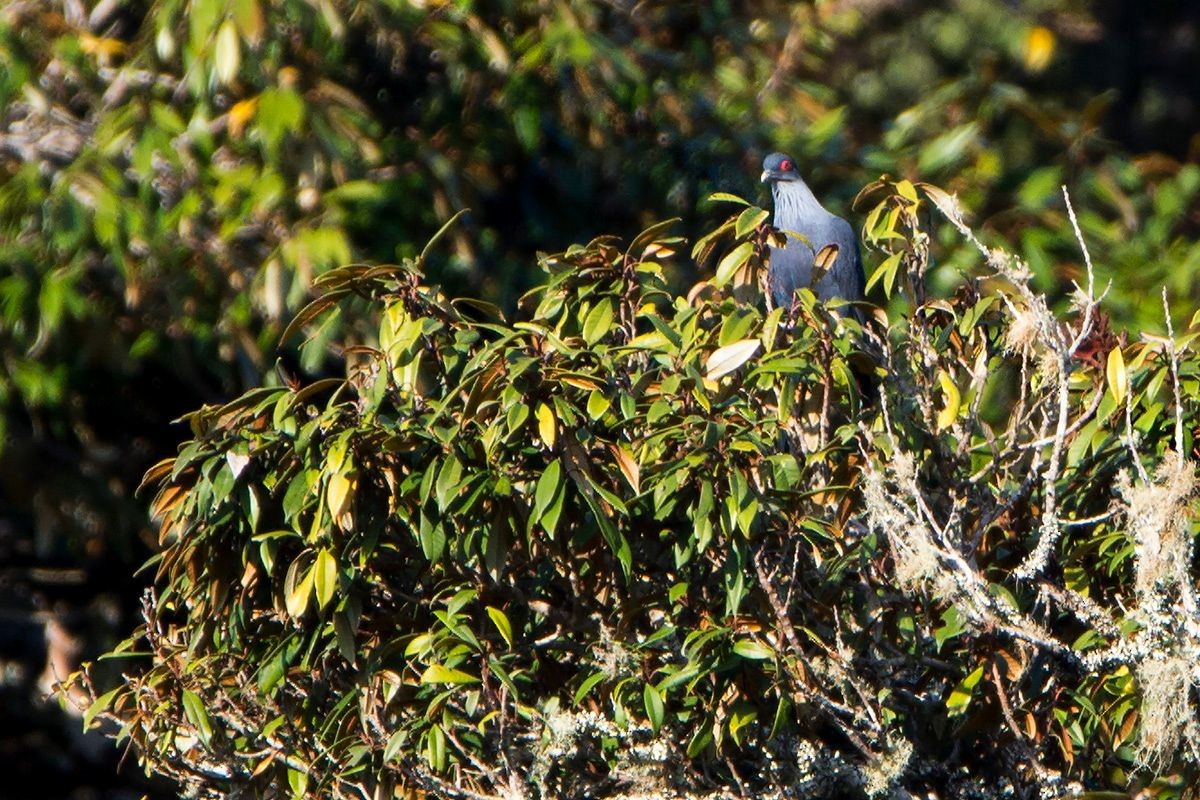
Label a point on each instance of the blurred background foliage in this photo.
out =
(173, 175)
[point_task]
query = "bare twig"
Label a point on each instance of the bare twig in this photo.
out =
(1173, 356)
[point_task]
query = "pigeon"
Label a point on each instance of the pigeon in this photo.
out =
(797, 211)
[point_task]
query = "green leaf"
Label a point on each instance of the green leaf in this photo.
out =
(612, 534)
(726, 197)
(701, 741)
(598, 403)
(886, 272)
(325, 573)
(100, 705)
(960, 696)
(433, 538)
(343, 631)
(598, 321)
(280, 112)
(756, 651)
(653, 702)
(500, 620)
(588, 684)
(450, 223)
(272, 673)
(397, 740)
(648, 236)
(448, 479)
(748, 220)
(193, 709)
(740, 716)
(548, 486)
(782, 715)
(297, 782)
(435, 753)
(419, 645)
(732, 262)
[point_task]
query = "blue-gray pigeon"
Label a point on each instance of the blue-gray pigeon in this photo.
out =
(791, 266)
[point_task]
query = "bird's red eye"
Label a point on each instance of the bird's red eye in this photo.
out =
(785, 166)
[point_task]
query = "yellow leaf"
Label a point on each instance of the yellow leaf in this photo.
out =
(949, 413)
(439, 673)
(725, 360)
(1118, 377)
(227, 52)
(1039, 48)
(102, 47)
(546, 425)
(339, 497)
(241, 113)
(297, 588)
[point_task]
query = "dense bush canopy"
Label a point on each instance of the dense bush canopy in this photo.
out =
(635, 543)
(175, 176)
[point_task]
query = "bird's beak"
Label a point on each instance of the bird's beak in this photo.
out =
(766, 176)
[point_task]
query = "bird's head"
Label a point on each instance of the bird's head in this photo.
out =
(779, 167)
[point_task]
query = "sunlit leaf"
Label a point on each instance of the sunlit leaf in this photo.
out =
(629, 466)
(726, 359)
(500, 620)
(298, 587)
(1118, 377)
(325, 577)
(547, 427)
(748, 220)
(951, 400)
(436, 749)
(960, 696)
(732, 262)
(598, 321)
(740, 717)
(227, 52)
(439, 673)
(886, 272)
(726, 198)
(1039, 48)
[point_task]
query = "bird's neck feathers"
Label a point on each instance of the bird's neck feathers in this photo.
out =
(794, 197)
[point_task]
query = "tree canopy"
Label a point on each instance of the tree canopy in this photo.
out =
(629, 543)
(176, 178)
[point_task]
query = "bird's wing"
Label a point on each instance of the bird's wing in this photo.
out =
(847, 273)
(790, 269)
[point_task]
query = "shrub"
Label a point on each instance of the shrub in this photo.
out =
(637, 543)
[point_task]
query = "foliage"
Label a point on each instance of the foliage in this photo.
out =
(631, 541)
(174, 175)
